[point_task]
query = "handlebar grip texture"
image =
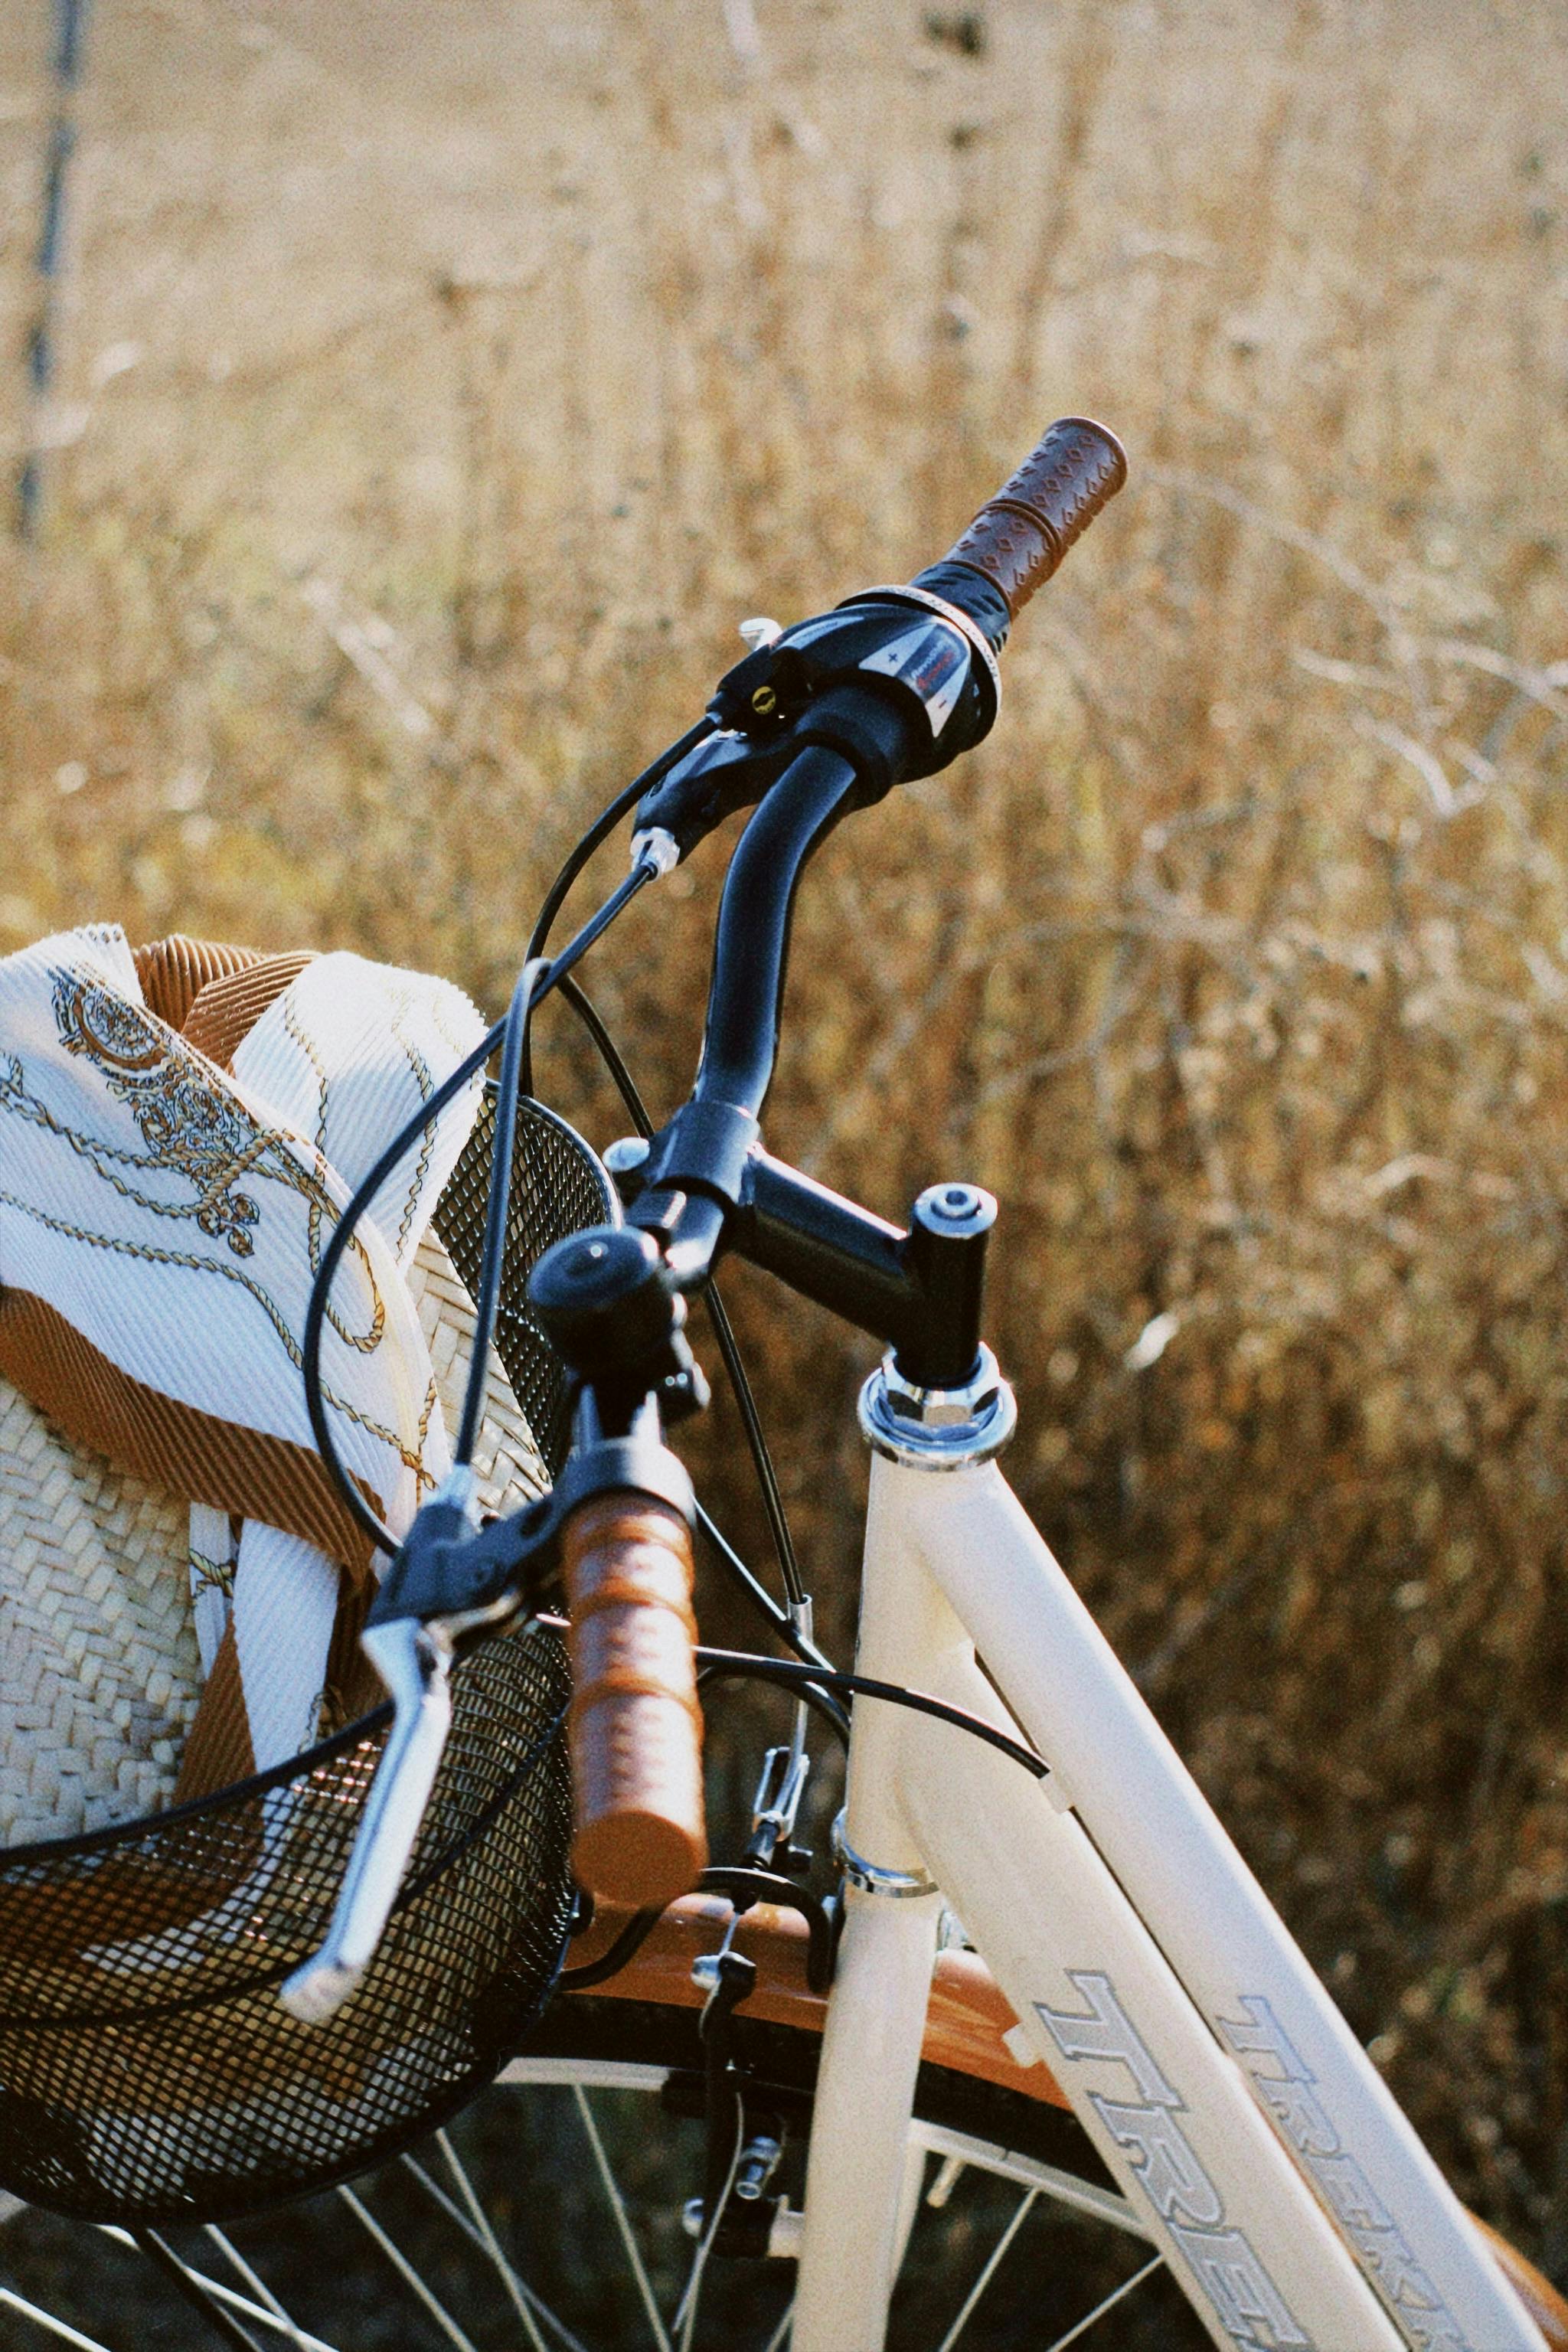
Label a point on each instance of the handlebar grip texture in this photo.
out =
(1020, 536)
(635, 1724)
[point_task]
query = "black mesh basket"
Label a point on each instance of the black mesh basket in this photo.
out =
(147, 2070)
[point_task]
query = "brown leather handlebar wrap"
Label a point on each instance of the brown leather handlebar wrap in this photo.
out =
(636, 1724)
(1020, 536)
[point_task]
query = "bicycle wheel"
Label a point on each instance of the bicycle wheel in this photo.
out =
(551, 2214)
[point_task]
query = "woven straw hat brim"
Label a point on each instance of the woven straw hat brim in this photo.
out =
(100, 1678)
(100, 1674)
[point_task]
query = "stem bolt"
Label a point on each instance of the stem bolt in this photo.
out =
(953, 1204)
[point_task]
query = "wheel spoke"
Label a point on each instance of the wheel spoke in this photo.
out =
(47, 2321)
(270, 2314)
(259, 2288)
(534, 2301)
(989, 2272)
(622, 2220)
(686, 2310)
(197, 2292)
(459, 2219)
(1101, 2309)
(1027, 2172)
(481, 2221)
(409, 2275)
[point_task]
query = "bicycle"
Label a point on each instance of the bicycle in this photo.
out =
(1122, 2027)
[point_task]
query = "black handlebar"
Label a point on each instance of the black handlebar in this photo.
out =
(745, 999)
(823, 719)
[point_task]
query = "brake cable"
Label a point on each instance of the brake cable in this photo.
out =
(359, 1509)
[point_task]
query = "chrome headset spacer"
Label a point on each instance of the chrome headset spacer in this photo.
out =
(938, 1429)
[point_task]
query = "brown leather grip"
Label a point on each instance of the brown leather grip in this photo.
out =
(1020, 536)
(635, 1724)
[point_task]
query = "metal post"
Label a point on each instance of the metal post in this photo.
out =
(66, 62)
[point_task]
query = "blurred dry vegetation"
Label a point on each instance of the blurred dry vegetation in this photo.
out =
(441, 385)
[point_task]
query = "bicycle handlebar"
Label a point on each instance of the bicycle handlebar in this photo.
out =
(818, 720)
(1019, 537)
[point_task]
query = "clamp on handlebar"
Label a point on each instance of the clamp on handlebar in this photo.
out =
(898, 680)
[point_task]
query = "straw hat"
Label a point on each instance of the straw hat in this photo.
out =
(100, 1675)
(110, 1579)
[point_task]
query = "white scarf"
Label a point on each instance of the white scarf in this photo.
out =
(160, 1220)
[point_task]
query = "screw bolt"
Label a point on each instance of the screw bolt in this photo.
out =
(955, 1210)
(764, 701)
(955, 1202)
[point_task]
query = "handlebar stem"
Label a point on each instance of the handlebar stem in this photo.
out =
(707, 1186)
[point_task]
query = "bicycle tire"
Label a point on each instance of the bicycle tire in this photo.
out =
(618, 2049)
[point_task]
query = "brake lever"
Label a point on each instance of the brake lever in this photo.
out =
(899, 679)
(452, 1583)
(415, 1664)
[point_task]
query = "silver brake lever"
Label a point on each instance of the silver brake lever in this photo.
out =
(415, 1661)
(454, 1586)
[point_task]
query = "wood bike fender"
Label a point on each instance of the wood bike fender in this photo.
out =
(964, 2025)
(1540, 2299)
(967, 2023)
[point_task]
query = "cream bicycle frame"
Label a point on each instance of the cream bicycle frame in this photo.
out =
(1253, 2139)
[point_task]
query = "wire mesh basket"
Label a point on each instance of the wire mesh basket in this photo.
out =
(147, 2070)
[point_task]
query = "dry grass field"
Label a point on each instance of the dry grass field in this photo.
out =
(439, 386)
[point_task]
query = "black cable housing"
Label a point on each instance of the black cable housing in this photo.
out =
(604, 824)
(369, 1521)
(487, 1299)
(723, 1329)
(723, 1664)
